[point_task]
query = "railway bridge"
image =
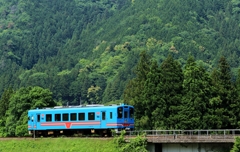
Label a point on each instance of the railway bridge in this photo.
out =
(189, 140)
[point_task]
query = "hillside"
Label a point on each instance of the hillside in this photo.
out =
(87, 50)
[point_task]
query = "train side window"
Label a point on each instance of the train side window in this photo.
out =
(125, 114)
(110, 115)
(103, 115)
(81, 116)
(131, 112)
(73, 116)
(57, 117)
(48, 117)
(29, 118)
(91, 116)
(38, 118)
(65, 117)
(120, 112)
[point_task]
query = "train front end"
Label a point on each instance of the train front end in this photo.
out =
(125, 118)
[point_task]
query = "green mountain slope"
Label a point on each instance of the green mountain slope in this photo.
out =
(87, 50)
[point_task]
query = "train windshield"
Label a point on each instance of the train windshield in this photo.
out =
(131, 112)
(120, 112)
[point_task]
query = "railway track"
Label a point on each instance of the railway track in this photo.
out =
(15, 138)
(31, 138)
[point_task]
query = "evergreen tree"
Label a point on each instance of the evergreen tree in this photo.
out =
(171, 90)
(226, 94)
(236, 104)
(133, 94)
(4, 105)
(196, 96)
(4, 102)
(155, 106)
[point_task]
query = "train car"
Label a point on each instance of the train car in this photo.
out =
(80, 120)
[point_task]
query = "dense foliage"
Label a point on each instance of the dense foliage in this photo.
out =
(236, 146)
(15, 105)
(167, 97)
(136, 144)
(84, 51)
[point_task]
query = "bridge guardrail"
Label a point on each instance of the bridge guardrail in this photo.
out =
(188, 135)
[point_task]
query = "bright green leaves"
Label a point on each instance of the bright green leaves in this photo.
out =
(236, 6)
(236, 146)
(94, 94)
(20, 102)
(137, 144)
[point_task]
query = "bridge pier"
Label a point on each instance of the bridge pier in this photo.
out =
(189, 147)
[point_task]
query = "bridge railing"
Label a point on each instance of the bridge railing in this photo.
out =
(188, 134)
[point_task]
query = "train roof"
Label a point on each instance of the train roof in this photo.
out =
(85, 107)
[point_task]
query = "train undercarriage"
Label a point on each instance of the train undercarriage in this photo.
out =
(74, 133)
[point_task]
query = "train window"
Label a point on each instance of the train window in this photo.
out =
(120, 112)
(73, 116)
(125, 114)
(103, 115)
(48, 117)
(28, 118)
(81, 116)
(57, 117)
(65, 117)
(91, 116)
(38, 118)
(131, 112)
(110, 115)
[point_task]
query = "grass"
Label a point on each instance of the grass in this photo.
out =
(58, 145)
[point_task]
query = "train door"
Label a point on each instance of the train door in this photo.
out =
(120, 115)
(31, 119)
(126, 116)
(32, 123)
(103, 119)
(37, 120)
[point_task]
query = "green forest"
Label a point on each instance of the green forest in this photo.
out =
(176, 61)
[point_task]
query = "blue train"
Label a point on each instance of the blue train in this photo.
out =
(80, 120)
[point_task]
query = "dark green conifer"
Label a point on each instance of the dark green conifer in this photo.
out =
(196, 96)
(133, 94)
(170, 90)
(225, 95)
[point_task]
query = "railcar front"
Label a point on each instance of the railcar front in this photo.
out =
(125, 118)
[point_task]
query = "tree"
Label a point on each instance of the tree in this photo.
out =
(226, 94)
(196, 96)
(133, 94)
(155, 106)
(93, 94)
(236, 111)
(21, 101)
(170, 91)
(4, 102)
(4, 105)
